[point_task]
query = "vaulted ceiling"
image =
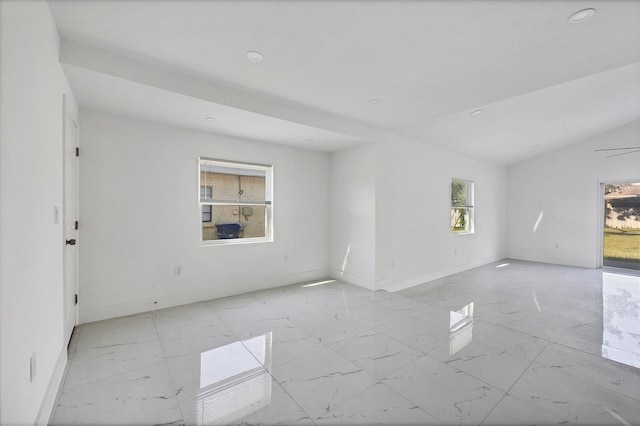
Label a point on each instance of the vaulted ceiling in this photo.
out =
(337, 73)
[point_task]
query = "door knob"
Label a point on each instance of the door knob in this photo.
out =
(71, 242)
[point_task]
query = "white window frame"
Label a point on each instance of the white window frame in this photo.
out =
(468, 207)
(268, 202)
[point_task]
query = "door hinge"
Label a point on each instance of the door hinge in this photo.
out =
(76, 299)
(77, 151)
(76, 225)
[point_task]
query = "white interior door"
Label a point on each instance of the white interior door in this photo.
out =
(70, 214)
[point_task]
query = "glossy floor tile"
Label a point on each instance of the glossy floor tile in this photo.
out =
(505, 344)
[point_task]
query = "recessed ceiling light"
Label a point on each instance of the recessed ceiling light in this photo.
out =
(374, 101)
(476, 113)
(210, 118)
(254, 56)
(582, 15)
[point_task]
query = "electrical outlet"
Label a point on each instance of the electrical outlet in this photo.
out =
(177, 271)
(285, 258)
(32, 367)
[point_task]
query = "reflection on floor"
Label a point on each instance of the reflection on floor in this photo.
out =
(550, 345)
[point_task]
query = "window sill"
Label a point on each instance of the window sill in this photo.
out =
(235, 241)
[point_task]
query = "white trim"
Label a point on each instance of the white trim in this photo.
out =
(267, 203)
(98, 313)
(349, 278)
(47, 407)
(600, 227)
(232, 241)
(469, 207)
(412, 282)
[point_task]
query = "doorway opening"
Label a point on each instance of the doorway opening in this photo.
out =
(621, 239)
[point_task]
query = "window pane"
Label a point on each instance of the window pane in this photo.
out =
(205, 192)
(206, 213)
(251, 222)
(461, 193)
(223, 186)
(460, 220)
(238, 200)
(253, 188)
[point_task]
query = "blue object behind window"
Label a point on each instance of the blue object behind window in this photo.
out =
(228, 230)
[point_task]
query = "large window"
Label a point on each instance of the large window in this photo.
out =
(461, 206)
(235, 202)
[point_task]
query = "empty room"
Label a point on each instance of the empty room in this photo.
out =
(319, 212)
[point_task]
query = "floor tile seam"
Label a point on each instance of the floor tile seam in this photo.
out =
(488, 353)
(564, 373)
(329, 347)
(380, 382)
(166, 366)
(594, 355)
(94, 381)
(505, 325)
(196, 396)
(105, 347)
(292, 398)
(493, 408)
(340, 339)
(442, 422)
(415, 348)
(507, 392)
(459, 371)
(419, 354)
(268, 370)
(208, 302)
(606, 360)
(132, 341)
(534, 405)
(542, 339)
(384, 323)
(173, 388)
(432, 323)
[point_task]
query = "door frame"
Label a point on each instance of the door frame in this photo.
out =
(600, 227)
(69, 118)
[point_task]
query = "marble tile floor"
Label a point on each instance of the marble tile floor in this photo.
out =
(508, 343)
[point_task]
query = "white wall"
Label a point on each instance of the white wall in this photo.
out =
(563, 185)
(139, 218)
(413, 198)
(353, 216)
(31, 248)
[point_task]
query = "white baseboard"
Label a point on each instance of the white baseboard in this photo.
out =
(412, 282)
(351, 279)
(51, 395)
(98, 313)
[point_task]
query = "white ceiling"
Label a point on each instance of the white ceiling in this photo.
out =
(541, 81)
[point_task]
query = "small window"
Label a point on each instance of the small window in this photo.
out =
(206, 213)
(462, 206)
(206, 192)
(235, 202)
